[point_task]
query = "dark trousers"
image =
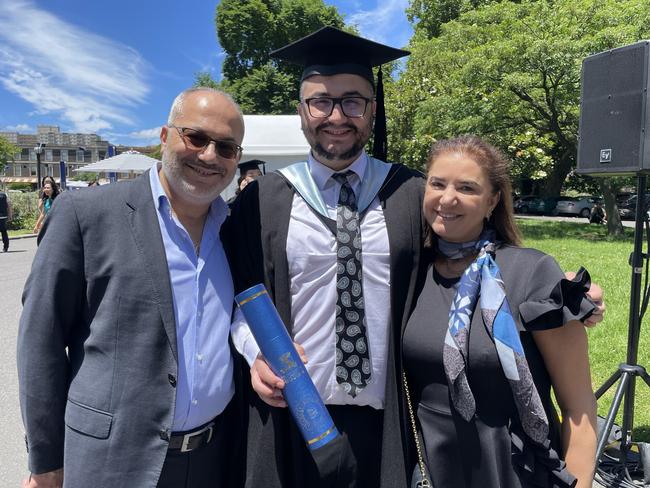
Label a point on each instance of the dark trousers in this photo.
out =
(218, 464)
(282, 460)
(5, 235)
(363, 427)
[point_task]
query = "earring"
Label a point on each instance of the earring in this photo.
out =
(489, 214)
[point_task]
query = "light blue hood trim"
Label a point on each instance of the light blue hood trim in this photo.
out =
(299, 176)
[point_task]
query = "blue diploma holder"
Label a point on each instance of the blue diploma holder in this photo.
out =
(305, 404)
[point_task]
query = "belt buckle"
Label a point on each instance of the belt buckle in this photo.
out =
(186, 438)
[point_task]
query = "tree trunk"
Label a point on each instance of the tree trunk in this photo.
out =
(557, 176)
(614, 224)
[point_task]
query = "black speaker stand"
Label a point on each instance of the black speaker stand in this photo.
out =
(627, 372)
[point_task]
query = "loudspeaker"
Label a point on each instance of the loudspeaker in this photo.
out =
(613, 139)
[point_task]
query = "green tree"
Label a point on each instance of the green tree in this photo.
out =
(510, 72)
(248, 31)
(157, 153)
(428, 16)
(8, 152)
(84, 176)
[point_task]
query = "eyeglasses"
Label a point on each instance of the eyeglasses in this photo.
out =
(321, 107)
(197, 140)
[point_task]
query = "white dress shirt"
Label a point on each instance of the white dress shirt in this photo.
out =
(311, 254)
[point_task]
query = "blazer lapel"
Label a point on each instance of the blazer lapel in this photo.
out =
(143, 220)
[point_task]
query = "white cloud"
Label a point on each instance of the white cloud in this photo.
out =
(379, 24)
(24, 128)
(150, 136)
(90, 81)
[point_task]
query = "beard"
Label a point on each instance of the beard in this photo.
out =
(361, 138)
(338, 156)
(174, 168)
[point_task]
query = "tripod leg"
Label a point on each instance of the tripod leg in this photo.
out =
(611, 415)
(646, 377)
(606, 386)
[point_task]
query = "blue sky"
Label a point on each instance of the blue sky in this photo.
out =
(113, 68)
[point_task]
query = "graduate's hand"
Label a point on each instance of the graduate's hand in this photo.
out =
(52, 479)
(595, 293)
(266, 384)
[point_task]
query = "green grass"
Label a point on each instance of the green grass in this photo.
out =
(20, 232)
(581, 244)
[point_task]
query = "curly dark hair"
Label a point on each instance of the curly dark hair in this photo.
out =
(55, 187)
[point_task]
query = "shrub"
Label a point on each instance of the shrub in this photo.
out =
(20, 186)
(25, 210)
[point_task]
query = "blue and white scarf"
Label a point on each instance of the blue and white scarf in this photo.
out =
(483, 279)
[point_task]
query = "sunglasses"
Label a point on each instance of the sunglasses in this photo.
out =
(197, 140)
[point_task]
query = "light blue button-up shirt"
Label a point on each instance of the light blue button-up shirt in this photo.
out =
(202, 290)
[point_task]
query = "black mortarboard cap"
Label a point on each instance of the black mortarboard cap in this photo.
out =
(252, 164)
(331, 51)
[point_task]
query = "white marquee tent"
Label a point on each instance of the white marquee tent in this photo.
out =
(276, 139)
(122, 163)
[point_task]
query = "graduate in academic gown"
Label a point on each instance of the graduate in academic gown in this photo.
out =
(336, 240)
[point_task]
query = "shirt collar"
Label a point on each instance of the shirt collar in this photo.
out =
(218, 208)
(322, 174)
(159, 195)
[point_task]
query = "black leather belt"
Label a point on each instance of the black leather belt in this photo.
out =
(189, 441)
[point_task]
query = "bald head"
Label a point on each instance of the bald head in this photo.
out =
(194, 173)
(179, 102)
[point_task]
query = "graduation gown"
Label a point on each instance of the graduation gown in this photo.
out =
(255, 238)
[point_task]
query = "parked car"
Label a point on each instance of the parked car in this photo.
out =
(522, 205)
(545, 205)
(536, 205)
(627, 209)
(576, 206)
(623, 197)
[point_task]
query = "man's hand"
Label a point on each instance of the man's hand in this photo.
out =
(266, 384)
(595, 293)
(51, 479)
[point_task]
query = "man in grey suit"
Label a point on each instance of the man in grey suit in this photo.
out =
(125, 370)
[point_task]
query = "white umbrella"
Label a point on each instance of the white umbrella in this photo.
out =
(122, 163)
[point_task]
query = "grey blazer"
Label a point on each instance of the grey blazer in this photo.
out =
(97, 359)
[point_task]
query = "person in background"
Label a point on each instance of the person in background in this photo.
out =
(597, 214)
(248, 171)
(480, 376)
(50, 190)
(6, 214)
(251, 169)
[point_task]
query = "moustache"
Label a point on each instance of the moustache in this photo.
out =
(199, 165)
(327, 125)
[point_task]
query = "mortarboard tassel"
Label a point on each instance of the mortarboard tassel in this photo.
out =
(380, 144)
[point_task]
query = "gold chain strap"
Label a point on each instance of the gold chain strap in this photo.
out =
(425, 483)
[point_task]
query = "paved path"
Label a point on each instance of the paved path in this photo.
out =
(579, 220)
(14, 267)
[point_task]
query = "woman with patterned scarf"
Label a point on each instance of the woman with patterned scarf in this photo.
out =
(480, 376)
